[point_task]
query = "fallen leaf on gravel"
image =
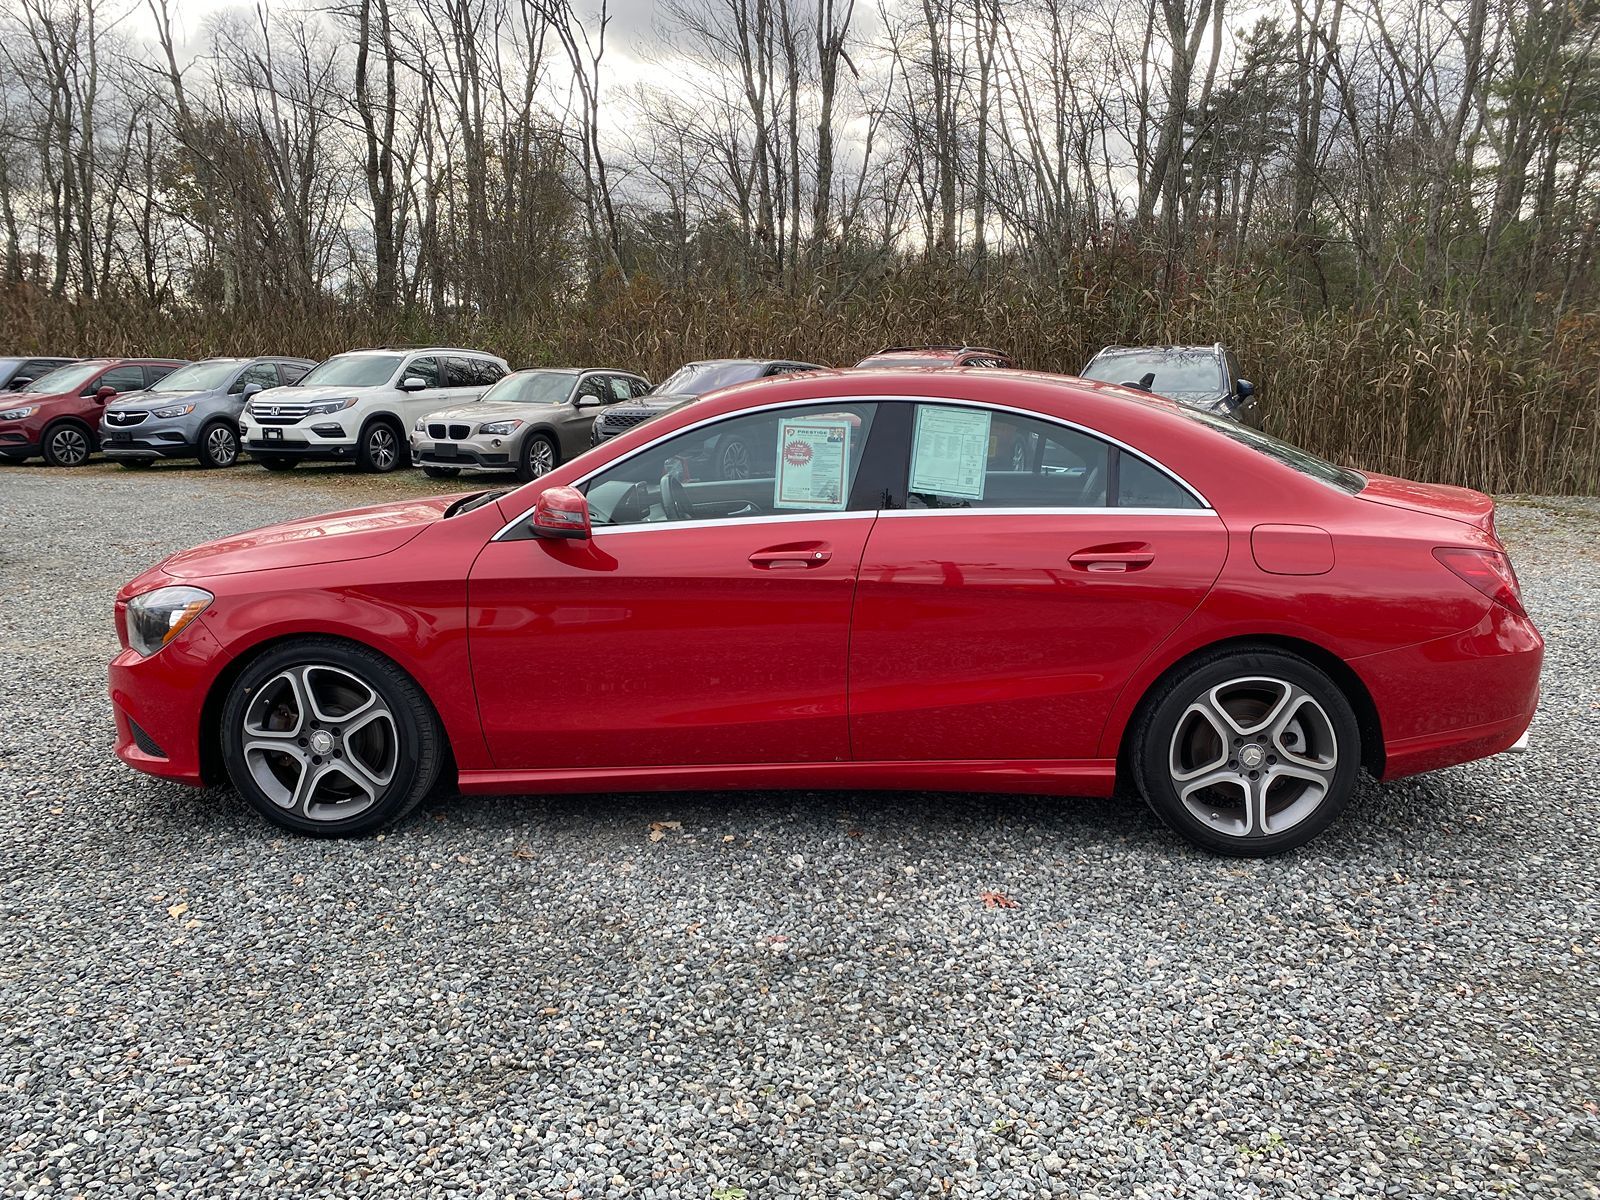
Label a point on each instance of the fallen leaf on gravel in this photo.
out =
(658, 829)
(177, 910)
(998, 900)
(523, 852)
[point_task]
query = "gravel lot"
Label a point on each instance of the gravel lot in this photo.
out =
(779, 995)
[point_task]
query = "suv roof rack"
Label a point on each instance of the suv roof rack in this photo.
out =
(956, 347)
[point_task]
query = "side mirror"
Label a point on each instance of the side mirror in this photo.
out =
(584, 400)
(561, 512)
(413, 383)
(250, 389)
(104, 394)
(17, 384)
(1244, 389)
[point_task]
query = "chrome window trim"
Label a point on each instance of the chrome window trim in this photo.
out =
(863, 514)
(1205, 508)
(1082, 510)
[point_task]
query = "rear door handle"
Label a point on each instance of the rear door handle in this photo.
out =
(1122, 557)
(796, 556)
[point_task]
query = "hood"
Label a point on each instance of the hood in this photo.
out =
(336, 537)
(486, 412)
(306, 395)
(1435, 499)
(656, 401)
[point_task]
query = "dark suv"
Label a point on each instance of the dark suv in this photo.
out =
(18, 373)
(1203, 377)
(951, 355)
(687, 383)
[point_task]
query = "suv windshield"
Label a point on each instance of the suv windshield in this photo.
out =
(532, 387)
(698, 378)
(353, 370)
(1175, 371)
(1303, 461)
(201, 377)
(66, 379)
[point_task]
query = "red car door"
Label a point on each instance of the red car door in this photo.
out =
(702, 624)
(1000, 621)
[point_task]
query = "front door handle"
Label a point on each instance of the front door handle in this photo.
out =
(1119, 556)
(795, 556)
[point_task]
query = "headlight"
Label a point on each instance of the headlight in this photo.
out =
(500, 427)
(421, 425)
(177, 410)
(330, 406)
(16, 414)
(155, 618)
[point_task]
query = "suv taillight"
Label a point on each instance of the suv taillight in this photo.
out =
(1489, 571)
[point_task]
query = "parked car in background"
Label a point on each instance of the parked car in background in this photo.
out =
(1203, 377)
(529, 422)
(1228, 623)
(950, 355)
(688, 382)
(193, 412)
(57, 416)
(18, 373)
(358, 406)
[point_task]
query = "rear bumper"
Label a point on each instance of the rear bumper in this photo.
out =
(1458, 698)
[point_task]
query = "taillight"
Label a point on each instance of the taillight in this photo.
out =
(1488, 571)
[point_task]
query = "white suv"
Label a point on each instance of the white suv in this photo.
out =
(358, 406)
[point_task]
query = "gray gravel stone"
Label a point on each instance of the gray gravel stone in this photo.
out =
(791, 995)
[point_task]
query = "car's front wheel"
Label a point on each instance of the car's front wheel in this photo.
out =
(381, 448)
(1247, 753)
(329, 738)
(218, 445)
(538, 457)
(66, 444)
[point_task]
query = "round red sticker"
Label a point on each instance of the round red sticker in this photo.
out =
(797, 453)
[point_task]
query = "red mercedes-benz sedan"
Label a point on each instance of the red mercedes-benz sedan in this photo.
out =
(976, 579)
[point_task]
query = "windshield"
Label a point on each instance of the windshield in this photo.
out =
(1174, 371)
(910, 360)
(353, 370)
(532, 387)
(66, 379)
(198, 377)
(698, 378)
(1303, 461)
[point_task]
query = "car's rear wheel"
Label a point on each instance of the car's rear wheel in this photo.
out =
(1247, 753)
(328, 738)
(381, 448)
(219, 445)
(538, 457)
(441, 472)
(66, 444)
(275, 462)
(733, 459)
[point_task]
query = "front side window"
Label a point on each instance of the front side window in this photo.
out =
(122, 379)
(353, 370)
(425, 369)
(263, 374)
(596, 388)
(792, 460)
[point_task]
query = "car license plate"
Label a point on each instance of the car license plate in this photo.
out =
(444, 449)
(272, 435)
(119, 437)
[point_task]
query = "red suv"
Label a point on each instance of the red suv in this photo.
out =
(951, 355)
(57, 415)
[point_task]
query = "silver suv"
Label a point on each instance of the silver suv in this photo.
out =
(193, 412)
(356, 407)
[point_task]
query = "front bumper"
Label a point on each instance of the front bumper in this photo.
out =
(475, 454)
(158, 703)
(300, 440)
(18, 441)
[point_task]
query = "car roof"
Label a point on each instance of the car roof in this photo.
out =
(415, 350)
(1170, 348)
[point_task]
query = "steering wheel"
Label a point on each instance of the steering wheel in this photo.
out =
(674, 498)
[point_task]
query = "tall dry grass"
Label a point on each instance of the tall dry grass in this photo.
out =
(1414, 391)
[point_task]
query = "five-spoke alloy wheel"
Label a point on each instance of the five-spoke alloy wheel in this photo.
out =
(1248, 753)
(326, 737)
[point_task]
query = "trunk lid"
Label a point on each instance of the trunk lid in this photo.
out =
(1436, 499)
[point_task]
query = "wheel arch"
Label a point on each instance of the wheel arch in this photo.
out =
(212, 769)
(56, 423)
(1335, 668)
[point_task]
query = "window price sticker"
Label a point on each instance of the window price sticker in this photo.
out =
(949, 451)
(813, 462)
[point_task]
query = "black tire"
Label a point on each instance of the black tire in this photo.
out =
(1236, 816)
(733, 459)
(382, 448)
(66, 444)
(275, 462)
(218, 444)
(418, 747)
(441, 472)
(536, 450)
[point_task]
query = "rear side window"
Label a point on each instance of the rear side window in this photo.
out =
(1139, 485)
(619, 387)
(978, 458)
(465, 371)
